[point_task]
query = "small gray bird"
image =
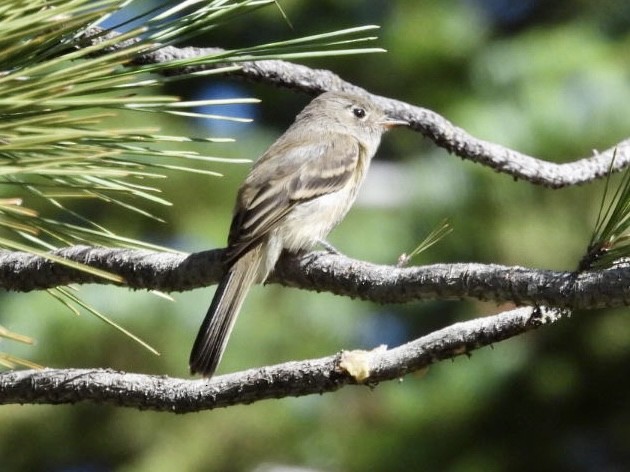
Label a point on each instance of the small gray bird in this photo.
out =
(294, 195)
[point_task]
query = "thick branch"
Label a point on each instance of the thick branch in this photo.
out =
(55, 386)
(432, 125)
(337, 274)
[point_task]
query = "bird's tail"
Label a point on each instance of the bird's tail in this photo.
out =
(219, 321)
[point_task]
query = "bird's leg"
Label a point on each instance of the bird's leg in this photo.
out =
(308, 256)
(329, 247)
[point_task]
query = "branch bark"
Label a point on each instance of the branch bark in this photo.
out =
(550, 292)
(321, 271)
(427, 122)
(148, 392)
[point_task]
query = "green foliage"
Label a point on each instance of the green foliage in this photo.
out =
(61, 96)
(610, 242)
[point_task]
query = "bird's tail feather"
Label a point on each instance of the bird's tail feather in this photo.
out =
(219, 321)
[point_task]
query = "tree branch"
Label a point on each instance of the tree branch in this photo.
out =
(429, 123)
(147, 392)
(320, 271)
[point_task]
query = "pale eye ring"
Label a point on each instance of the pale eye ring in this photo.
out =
(358, 112)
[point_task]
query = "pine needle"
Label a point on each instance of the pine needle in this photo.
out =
(610, 241)
(7, 334)
(61, 95)
(68, 299)
(432, 238)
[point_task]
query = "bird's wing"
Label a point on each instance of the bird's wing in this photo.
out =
(299, 173)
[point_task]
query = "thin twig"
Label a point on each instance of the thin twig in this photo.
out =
(427, 122)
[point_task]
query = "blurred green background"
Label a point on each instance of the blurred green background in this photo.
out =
(547, 78)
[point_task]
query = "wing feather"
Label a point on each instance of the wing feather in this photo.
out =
(301, 173)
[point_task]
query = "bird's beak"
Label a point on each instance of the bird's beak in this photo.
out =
(388, 122)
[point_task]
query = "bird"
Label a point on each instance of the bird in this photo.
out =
(299, 189)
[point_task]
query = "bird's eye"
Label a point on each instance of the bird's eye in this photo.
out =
(358, 112)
